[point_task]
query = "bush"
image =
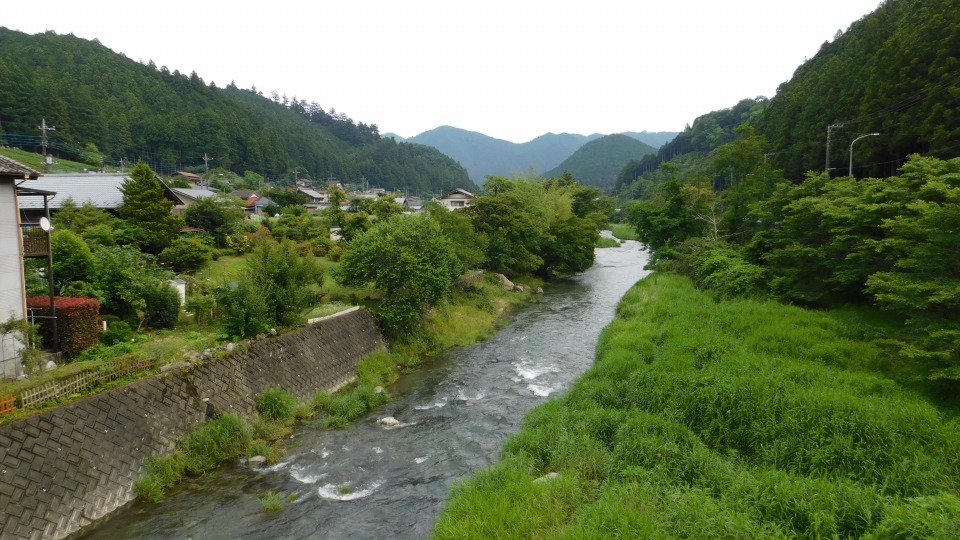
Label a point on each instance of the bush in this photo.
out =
(185, 254)
(276, 404)
(163, 305)
(118, 332)
(243, 311)
(221, 439)
(78, 322)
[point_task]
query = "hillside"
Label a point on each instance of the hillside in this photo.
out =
(483, 155)
(107, 107)
(599, 162)
(655, 139)
(894, 72)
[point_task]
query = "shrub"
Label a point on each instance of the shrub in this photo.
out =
(77, 322)
(243, 311)
(276, 404)
(221, 439)
(163, 304)
(185, 254)
(118, 332)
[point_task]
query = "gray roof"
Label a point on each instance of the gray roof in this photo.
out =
(101, 190)
(312, 194)
(9, 167)
(194, 193)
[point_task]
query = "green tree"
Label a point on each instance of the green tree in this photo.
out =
(409, 260)
(185, 254)
(283, 279)
(469, 246)
(72, 259)
(80, 218)
(145, 206)
(569, 246)
(220, 216)
(670, 217)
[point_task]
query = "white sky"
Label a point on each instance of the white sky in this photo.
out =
(512, 69)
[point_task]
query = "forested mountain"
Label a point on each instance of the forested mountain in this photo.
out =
(106, 106)
(707, 132)
(484, 156)
(598, 162)
(655, 139)
(895, 72)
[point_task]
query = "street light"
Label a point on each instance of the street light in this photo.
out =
(850, 171)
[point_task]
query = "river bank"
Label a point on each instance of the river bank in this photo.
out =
(705, 419)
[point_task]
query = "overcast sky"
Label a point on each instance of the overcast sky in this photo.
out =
(512, 69)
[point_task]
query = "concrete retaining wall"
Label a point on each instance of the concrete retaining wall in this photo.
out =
(63, 469)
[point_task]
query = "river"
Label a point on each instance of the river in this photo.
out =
(455, 411)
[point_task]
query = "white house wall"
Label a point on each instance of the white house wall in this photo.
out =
(11, 262)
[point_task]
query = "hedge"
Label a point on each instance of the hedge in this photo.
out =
(78, 322)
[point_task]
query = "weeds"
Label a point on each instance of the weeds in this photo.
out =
(706, 418)
(271, 501)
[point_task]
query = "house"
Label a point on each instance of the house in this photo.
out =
(412, 205)
(316, 199)
(101, 190)
(188, 197)
(13, 303)
(256, 204)
(194, 179)
(456, 199)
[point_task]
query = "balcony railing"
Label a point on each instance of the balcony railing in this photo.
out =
(36, 241)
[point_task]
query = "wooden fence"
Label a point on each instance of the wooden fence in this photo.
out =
(85, 380)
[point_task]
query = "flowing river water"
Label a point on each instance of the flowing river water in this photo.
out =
(455, 411)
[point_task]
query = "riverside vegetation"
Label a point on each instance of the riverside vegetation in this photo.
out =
(709, 418)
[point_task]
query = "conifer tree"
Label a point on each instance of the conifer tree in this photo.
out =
(146, 209)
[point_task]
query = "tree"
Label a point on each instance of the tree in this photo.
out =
(145, 206)
(569, 247)
(220, 216)
(409, 260)
(72, 259)
(282, 278)
(185, 254)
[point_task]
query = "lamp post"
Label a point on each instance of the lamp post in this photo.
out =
(850, 171)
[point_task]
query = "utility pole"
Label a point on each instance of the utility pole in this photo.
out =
(44, 128)
(206, 168)
(826, 165)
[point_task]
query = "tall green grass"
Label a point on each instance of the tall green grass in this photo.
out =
(707, 419)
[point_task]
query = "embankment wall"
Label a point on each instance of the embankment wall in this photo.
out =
(65, 468)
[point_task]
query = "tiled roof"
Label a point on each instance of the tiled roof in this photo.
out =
(101, 190)
(311, 193)
(9, 167)
(194, 193)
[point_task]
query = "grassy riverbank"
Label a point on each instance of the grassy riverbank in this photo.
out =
(707, 419)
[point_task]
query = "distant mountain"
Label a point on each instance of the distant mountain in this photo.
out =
(482, 155)
(393, 136)
(598, 162)
(655, 139)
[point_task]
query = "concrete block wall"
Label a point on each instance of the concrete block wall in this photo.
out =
(65, 468)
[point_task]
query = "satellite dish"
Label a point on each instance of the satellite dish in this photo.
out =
(45, 224)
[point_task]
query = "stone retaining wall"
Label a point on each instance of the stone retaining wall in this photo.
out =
(63, 469)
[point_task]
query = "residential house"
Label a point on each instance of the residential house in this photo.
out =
(101, 190)
(316, 199)
(193, 178)
(188, 197)
(13, 304)
(410, 205)
(456, 199)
